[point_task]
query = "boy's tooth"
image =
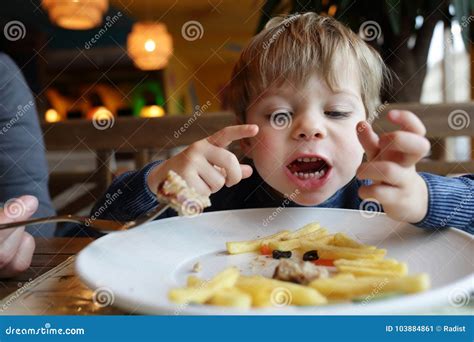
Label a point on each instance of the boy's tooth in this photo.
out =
(300, 174)
(306, 160)
(295, 173)
(316, 174)
(314, 159)
(311, 174)
(321, 173)
(300, 159)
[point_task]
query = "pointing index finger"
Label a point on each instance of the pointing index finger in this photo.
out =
(225, 136)
(408, 121)
(368, 139)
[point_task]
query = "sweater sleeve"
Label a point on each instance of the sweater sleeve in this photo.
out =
(450, 202)
(128, 197)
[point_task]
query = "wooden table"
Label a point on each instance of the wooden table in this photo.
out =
(50, 286)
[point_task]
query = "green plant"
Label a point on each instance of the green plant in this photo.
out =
(406, 28)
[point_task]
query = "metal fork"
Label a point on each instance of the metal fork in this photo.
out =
(97, 224)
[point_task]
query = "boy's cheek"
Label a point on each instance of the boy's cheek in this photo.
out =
(263, 144)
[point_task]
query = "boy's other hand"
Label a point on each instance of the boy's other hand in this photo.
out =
(16, 245)
(206, 165)
(391, 161)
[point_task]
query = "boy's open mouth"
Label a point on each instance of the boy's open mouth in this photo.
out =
(309, 167)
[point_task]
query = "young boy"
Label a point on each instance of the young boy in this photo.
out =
(304, 89)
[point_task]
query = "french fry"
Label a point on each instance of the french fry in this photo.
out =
(374, 272)
(238, 247)
(334, 288)
(268, 292)
(342, 240)
(205, 290)
(382, 263)
(305, 230)
(368, 267)
(324, 240)
(231, 297)
(335, 252)
(289, 245)
(194, 281)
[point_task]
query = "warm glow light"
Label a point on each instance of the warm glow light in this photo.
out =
(76, 14)
(153, 111)
(52, 115)
(100, 114)
(149, 45)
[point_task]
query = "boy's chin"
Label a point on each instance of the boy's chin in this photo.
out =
(310, 200)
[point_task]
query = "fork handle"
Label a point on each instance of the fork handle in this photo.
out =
(97, 223)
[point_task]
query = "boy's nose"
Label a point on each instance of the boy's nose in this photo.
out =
(308, 131)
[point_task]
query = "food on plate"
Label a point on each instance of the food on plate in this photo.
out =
(197, 267)
(301, 272)
(367, 267)
(346, 288)
(253, 245)
(277, 254)
(206, 289)
(273, 292)
(185, 200)
(313, 268)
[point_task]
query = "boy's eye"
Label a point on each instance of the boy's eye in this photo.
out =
(279, 115)
(337, 114)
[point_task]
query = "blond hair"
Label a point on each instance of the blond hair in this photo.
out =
(293, 48)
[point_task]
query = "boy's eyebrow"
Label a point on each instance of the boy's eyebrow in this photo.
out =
(347, 92)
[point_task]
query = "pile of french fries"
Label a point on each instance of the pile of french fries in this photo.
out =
(360, 273)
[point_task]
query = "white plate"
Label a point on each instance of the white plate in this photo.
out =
(140, 266)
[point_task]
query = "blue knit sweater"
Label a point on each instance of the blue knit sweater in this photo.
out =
(451, 200)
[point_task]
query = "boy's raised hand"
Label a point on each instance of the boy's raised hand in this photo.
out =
(206, 165)
(391, 160)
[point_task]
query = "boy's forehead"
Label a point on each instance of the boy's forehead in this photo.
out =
(344, 84)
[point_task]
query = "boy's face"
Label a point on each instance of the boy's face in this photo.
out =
(309, 122)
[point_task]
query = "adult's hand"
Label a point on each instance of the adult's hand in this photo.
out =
(16, 245)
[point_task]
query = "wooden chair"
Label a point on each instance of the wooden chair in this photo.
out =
(143, 136)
